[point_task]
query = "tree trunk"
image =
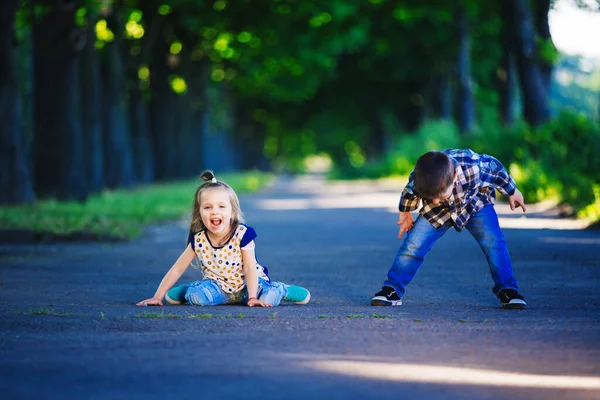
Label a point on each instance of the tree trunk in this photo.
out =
(58, 135)
(224, 146)
(411, 113)
(184, 133)
(441, 98)
(139, 102)
(466, 108)
(535, 102)
(542, 29)
(118, 154)
(140, 131)
(91, 109)
(15, 174)
(377, 142)
(506, 73)
(197, 103)
(163, 115)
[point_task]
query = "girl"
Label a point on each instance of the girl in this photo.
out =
(225, 249)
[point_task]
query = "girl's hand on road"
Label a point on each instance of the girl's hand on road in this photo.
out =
(150, 302)
(406, 222)
(254, 302)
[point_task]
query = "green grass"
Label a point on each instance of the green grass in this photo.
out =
(200, 316)
(45, 311)
(155, 315)
(355, 316)
(381, 316)
(119, 214)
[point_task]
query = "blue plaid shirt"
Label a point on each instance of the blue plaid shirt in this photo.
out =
(477, 177)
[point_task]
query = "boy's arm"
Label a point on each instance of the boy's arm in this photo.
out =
(493, 174)
(170, 277)
(409, 200)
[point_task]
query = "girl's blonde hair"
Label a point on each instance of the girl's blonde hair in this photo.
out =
(210, 182)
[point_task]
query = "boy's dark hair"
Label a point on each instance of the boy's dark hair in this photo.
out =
(433, 174)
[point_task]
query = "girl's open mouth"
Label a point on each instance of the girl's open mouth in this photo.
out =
(215, 222)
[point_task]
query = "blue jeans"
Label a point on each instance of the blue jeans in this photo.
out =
(208, 293)
(420, 239)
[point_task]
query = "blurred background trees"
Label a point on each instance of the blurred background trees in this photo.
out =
(103, 94)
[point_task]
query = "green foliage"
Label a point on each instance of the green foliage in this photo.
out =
(576, 85)
(118, 214)
(547, 52)
(311, 75)
(433, 135)
(591, 212)
(568, 149)
(558, 160)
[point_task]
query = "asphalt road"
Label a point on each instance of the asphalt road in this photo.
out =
(70, 330)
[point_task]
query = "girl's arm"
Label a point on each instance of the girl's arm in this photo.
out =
(251, 276)
(171, 277)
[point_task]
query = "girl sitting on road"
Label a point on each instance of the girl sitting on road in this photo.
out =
(225, 248)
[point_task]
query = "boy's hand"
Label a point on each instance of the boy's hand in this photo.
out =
(406, 222)
(516, 200)
(150, 302)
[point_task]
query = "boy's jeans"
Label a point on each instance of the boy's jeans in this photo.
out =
(208, 293)
(421, 237)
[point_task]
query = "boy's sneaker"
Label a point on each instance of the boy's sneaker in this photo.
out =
(387, 296)
(176, 295)
(297, 294)
(510, 298)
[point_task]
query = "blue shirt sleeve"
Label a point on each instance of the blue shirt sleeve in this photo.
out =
(249, 236)
(494, 174)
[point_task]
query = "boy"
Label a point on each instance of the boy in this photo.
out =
(457, 188)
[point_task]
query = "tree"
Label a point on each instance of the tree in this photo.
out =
(535, 107)
(58, 137)
(15, 174)
(466, 109)
(506, 73)
(547, 51)
(118, 153)
(91, 105)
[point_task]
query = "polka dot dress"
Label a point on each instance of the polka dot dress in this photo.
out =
(224, 264)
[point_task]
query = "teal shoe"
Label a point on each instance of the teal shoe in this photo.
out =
(176, 295)
(297, 295)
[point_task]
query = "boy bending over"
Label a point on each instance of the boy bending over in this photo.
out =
(457, 189)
